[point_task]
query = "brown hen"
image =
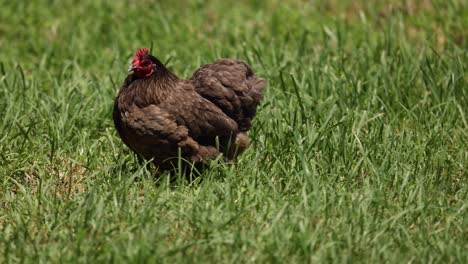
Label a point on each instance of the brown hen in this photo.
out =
(162, 117)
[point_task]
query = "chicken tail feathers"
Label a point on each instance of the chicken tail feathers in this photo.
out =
(250, 102)
(257, 86)
(233, 87)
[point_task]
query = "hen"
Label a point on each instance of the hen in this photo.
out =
(162, 117)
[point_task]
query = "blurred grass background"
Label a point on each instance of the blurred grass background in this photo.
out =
(359, 151)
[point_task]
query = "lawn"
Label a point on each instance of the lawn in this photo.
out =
(359, 150)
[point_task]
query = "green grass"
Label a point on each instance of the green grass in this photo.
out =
(359, 149)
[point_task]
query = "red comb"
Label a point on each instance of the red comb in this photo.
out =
(141, 52)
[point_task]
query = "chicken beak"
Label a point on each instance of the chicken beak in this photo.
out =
(131, 68)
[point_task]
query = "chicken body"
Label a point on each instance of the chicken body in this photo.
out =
(203, 117)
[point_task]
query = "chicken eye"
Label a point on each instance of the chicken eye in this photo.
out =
(145, 63)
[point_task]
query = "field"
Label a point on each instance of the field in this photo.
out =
(359, 149)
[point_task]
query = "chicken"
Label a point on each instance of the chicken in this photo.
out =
(162, 117)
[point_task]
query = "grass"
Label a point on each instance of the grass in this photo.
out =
(359, 150)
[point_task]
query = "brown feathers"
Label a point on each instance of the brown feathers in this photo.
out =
(204, 117)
